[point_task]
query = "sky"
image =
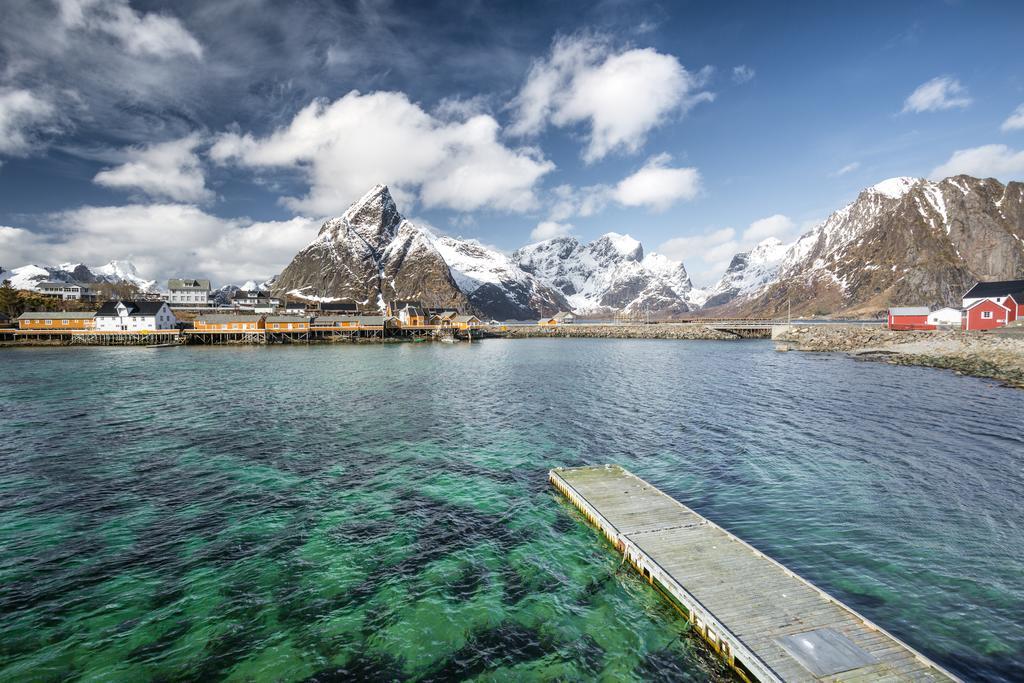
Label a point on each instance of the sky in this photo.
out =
(205, 139)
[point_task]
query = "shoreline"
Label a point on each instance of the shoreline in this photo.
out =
(988, 355)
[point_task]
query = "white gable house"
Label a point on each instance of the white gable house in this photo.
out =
(945, 316)
(135, 316)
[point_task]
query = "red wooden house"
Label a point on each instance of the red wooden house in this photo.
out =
(998, 291)
(987, 314)
(909, 318)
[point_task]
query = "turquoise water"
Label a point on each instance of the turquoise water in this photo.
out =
(382, 512)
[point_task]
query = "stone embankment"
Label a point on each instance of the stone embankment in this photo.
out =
(994, 355)
(635, 331)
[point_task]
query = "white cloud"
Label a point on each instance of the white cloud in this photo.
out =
(995, 161)
(585, 201)
(347, 145)
(743, 74)
(849, 168)
(1015, 121)
(547, 230)
(23, 116)
(657, 186)
(146, 34)
(773, 226)
(169, 170)
(942, 92)
(163, 240)
(708, 255)
(18, 247)
(621, 95)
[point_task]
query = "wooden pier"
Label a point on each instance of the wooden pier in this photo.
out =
(766, 622)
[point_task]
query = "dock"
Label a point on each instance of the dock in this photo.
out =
(766, 622)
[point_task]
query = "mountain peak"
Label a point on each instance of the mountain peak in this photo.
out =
(894, 188)
(624, 245)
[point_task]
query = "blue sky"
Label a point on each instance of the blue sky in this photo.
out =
(210, 139)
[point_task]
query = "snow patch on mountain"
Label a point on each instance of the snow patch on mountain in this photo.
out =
(610, 275)
(125, 271)
(749, 272)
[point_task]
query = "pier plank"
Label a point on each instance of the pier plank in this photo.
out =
(767, 622)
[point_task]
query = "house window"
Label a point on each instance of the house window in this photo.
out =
(986, 315)
(49, 322)
(63, 322)
(276, 326)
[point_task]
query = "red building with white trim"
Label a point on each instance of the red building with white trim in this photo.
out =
(988, 314)
(909, 318)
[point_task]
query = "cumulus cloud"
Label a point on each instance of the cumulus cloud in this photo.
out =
(621, 95)
(163, 240)
(942, 92)
(170, 170)
(547, 230)
(358, 139)
(995, 161)
(570, 201)
(658, 186)
(24, 116)
(147, 34)
(1015, 121)
(708, 255)
(742, 74)
(849, 168)
(19, 247)
(773, 226)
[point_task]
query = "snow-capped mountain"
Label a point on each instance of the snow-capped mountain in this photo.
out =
(904, 241)
(116, 272)
(610, 275)
(494, 283)
(372, 255)
(749, 272)
(124, 271)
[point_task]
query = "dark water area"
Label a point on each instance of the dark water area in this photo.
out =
(382, 512)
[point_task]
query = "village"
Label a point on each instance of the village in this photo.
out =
(186, 313)
(985, 306)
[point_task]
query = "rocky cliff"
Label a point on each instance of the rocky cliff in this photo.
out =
(905, 241)
(371, 255)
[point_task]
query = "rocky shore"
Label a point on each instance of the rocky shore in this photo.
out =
(998, 356)
(659, 331)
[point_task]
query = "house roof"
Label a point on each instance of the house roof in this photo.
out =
(909, 310)
(175, 283)
(564, 315)
(218, 318)
(338, 306)
(334, 319)
(286, 318)
(465, 318)
(62, 315)
(250, 294)
(52, 285)
(997, 288)
(143, 308)
(446, 315)
(982, 302)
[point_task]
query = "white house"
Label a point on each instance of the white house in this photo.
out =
(188, 293)
(134, 316)
(66, 291)
(945, 316)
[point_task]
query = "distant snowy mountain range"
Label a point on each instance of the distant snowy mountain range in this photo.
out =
(371, 255)
(903, 241)
(31, 276)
